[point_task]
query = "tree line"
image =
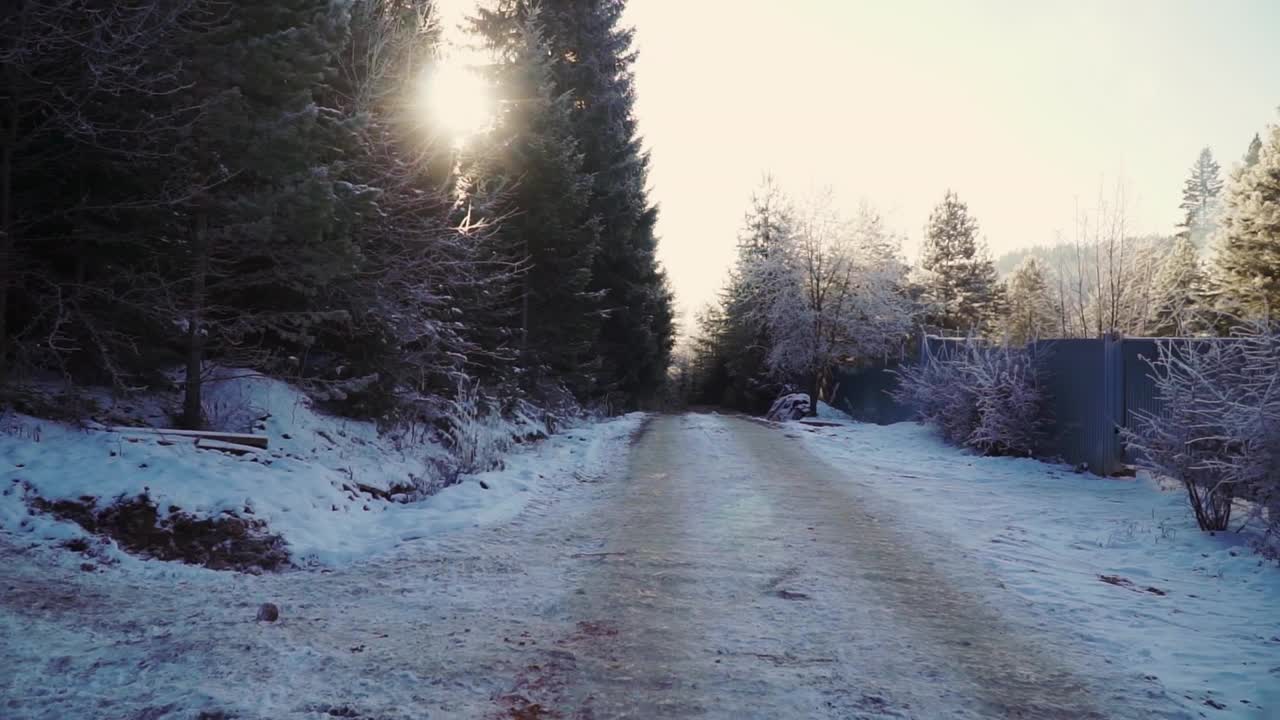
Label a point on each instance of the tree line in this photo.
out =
(811, 290)
(192, 184)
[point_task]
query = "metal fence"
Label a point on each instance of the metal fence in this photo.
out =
(863, 393)
(1095, 386)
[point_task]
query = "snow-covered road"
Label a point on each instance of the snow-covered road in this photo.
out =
(724, 572)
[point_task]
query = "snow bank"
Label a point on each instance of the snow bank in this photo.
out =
(305, 486)
(1201, 613)
(826, 412)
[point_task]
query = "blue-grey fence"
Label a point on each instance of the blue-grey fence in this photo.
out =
(1095, 386)
(863, 393)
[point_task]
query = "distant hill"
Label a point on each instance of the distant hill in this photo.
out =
(1062, 254)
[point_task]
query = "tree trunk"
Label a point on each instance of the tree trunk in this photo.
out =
(530, 377)
(192, 405)
(8, 142)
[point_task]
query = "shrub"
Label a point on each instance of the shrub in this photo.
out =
(989, 398)
(479, 436)
(1218, 431)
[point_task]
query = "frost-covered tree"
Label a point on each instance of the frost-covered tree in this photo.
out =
(1179, 292)
(768, 228)
(1248, 252)
(1030, 312)
(961, 285)
(732, 344)
(1105, 280)
(1200, 199)
(832, 293)
(1254, 152)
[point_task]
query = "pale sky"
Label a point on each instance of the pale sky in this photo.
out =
(1021, 107)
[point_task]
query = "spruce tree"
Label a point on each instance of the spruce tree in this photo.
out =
(87, 111)
(268, 223)
(535, 163)
(1200, 198)
(768, 226)
(1248, 259)
(1029, 307)
(962, 283)
(1179, 292)
(590, 62)
(1255, 150)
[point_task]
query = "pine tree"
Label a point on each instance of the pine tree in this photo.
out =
(767, 228)
(962, 285)
(1248, 258)
(1255, 150)
(268, 224)
(1179, 292)
(86, 112)
(1200, 198)
(1030, 312)
(591, 60)
(536, 164)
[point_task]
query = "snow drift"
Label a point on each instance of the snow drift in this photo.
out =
(334, 489)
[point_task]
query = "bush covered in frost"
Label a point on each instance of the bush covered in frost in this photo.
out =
(1218, 431)
(478, 434)
(989, 398)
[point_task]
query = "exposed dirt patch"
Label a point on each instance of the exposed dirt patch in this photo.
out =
(226, 542)
(1126, 583)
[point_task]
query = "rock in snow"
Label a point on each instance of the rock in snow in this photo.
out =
(268, 612)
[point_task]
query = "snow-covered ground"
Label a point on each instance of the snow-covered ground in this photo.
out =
(717, 567)
(1199, 614)
(306, 486)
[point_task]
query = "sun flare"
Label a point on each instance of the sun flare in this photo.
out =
(456, 100)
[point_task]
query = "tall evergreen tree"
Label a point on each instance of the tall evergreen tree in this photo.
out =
(536, 164)
(1200, 198)
(768, 226)
(1254, 152)
(86, 111)
(591, 59)
(1030, 311)
(267, 226)
(1248, 258)
(1179, 292)
(962, 283)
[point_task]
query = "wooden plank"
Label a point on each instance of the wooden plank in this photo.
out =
(234, 449)
(256, 441)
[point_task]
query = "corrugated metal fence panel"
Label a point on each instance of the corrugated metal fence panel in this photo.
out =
(1095, 386)
(1139, 383)
(863, 393)
(934, 346)
(1108, 455)
(1073, 372)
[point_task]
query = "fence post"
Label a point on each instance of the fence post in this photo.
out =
(1112, 408)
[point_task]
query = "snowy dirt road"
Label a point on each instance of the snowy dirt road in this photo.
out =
(724, 572)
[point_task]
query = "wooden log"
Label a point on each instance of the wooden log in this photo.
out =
(255, 441)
